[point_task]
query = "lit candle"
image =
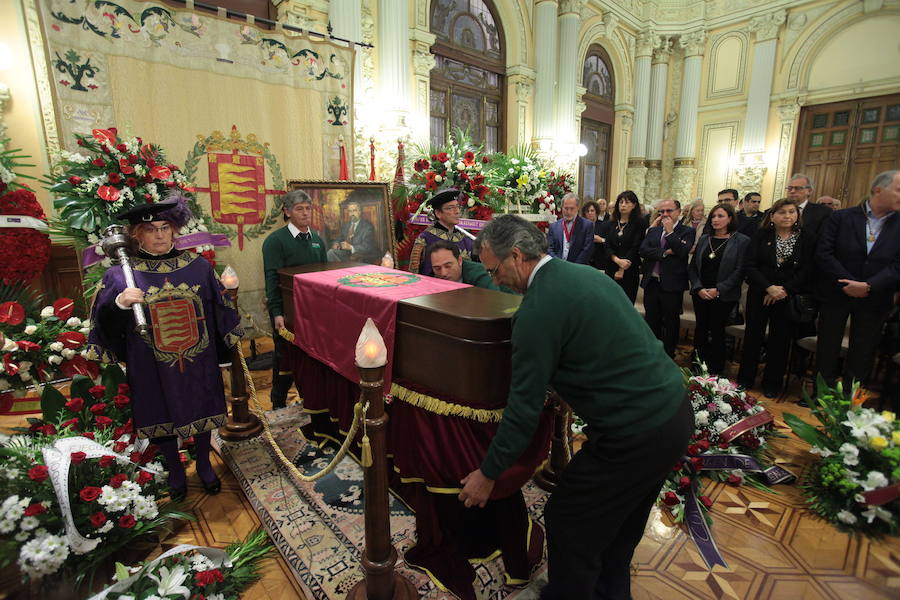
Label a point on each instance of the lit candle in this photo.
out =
(229, 278)
(370, 349)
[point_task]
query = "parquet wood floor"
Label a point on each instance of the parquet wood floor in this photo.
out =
(775, 549)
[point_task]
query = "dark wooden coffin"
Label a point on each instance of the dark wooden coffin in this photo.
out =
(455, 344)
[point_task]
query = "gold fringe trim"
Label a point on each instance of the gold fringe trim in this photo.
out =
(447, 409)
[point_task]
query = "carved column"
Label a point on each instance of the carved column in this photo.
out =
(787, 114)
(365, 124)
(752, 168)
(423, 63)
(545, 52)
(521, 87)
(657, 117)
(636, 170)
(685, 146)
(346, 22)
(568, 70)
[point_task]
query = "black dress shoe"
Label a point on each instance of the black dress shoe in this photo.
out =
(770, 392)
(178, 494)
(213, 487)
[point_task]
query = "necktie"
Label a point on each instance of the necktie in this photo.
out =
(662, 244)
(304, 236)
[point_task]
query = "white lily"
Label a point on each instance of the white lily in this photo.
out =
(169, 582)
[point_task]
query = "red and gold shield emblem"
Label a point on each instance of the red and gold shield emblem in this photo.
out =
(175, 327)
(237, 190)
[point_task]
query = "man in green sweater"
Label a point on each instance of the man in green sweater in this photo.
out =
(289, 246)
(448, 263)
(616, 376)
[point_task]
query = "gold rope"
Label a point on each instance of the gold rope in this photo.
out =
(359, 414)
(444, 408)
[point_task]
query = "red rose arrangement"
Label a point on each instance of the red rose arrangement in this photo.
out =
(24, 252)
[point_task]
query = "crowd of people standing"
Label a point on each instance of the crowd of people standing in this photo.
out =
(796, 261)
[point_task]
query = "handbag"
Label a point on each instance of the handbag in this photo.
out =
(802, 308)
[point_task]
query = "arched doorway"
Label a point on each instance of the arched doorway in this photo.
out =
(467, 79)
(596, 124)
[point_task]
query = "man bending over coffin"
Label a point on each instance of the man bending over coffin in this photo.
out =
(448, 263)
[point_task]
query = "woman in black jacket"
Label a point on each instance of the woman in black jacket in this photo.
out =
(623, 235)
(777, 264)
(716, 272)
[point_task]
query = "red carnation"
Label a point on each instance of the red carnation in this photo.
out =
(125, 166)
(123, 388)
(106, 460)
(131, 182)
(90, 493)
(120, 446)
(442, 156)
(132, 159)
(697, 462)
(75, 404)
(88, 434)
(704, 444)
(103, 422)
(205, 578)
(97, 391)
(706, 501)
(135, 457)
(71, 340)
(144, 477)
(121, 401)
(121, 147)
(684, 482)
(73, 423)
(734, 479)
(98, 408)
(98, 162)
(114, 178)
(117, 479)
(127, 522)
(34, 509)
(98, 519)
(77, 457)
(485, 159)
(75, 180)
(676, 467)
(723, 445)
(469, 156)
(671, 499)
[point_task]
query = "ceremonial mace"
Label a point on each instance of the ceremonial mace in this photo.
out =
(114, 244)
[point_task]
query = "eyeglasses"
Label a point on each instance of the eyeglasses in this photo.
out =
(493, 272)
(797, 188)
(667, 210)
(451, 207)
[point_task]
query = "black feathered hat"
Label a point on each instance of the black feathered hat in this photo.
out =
(442, 198)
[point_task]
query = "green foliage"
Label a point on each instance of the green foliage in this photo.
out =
(52, 402)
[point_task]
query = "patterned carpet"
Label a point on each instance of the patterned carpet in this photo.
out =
(318, 527)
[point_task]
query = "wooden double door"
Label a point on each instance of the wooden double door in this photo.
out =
(844, 145)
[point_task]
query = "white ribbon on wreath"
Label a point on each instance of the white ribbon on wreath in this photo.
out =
(217, 556)
(58, 459)
(22, 222)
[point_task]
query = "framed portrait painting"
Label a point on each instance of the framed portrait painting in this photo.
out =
(353, 218)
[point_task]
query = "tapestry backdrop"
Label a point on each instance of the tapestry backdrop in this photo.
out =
(239, 108)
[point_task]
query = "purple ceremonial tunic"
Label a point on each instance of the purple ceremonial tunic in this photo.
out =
(420, 263)
(176, 384)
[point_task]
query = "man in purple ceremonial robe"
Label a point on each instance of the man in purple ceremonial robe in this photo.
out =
(173, 371)
(446, 216)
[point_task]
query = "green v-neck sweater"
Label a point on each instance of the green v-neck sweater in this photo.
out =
(577, 332)
(282, 250)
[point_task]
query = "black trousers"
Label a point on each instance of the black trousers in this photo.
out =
(709, 336)
(662, 311)
(629, 283)
(595, 517)
(866, 325)
(778, 342)
(282, 376)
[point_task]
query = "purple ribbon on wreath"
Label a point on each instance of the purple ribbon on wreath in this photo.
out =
(693, 515)
(201, 238)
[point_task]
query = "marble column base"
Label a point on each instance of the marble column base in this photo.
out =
(635, 178)
(683, 178)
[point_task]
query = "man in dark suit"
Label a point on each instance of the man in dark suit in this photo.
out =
(859, 272)
(812, 215)
(357, 239)
(665, 252)
(572, 237)
(749, 217)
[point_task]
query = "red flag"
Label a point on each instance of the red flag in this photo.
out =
(371, 159)
(399, 175)
(345, 172)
